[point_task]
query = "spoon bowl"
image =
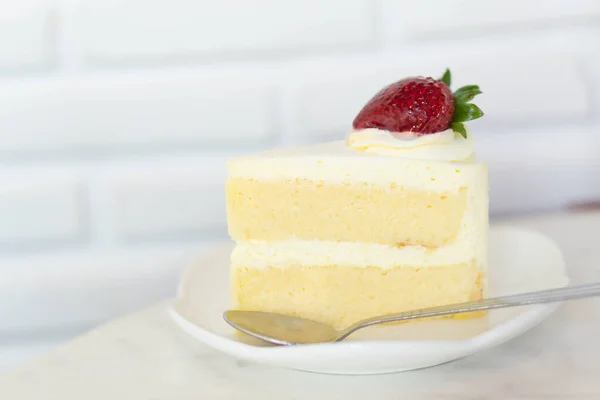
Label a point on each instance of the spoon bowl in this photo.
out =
(280, 329)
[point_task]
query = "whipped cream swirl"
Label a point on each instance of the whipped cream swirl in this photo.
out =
(444, 146)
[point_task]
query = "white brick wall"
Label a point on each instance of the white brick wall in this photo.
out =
(43, 210)
(116, 118)
(188, 28)
(27, 35)
(177, 199)
(426, 18)
(113, 110)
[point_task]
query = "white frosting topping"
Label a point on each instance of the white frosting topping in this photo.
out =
(335, 162)
(442, 146)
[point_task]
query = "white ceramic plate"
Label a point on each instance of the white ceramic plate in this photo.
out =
(520, 261)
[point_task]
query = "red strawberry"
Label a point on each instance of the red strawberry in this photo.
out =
(419, 106)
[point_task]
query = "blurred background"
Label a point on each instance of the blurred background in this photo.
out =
(117, 117)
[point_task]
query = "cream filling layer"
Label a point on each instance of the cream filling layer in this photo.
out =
(296, 252)
(470, 243)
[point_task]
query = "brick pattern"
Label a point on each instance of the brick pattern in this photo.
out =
(41, 211)
(27, 36)
(116, 117)
(184, 200)
(435, 17)
(186, 28)
(106, 112)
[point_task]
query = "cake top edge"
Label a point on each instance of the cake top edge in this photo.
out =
(339, 151)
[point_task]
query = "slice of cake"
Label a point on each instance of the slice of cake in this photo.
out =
(393, 218)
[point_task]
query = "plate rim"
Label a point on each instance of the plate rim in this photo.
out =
(501, 333)
(476, 343)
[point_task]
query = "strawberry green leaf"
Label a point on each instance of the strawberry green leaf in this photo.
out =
(466, 112)
(447, 77)
(459, 127)
(466, 88)
(466, 93)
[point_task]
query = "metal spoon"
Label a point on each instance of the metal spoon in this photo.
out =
(287, 330)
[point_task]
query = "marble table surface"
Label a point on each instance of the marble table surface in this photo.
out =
(144, 356)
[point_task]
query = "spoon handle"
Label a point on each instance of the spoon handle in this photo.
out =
(523, 299)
